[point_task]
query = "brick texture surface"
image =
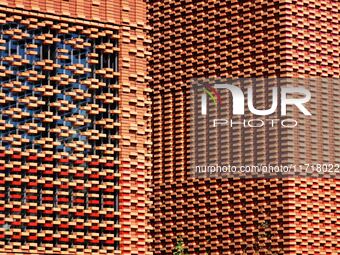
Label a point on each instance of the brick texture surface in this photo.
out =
(313, 37)
(206, 39)
(80, 154)
(123, 11)
(75, 143)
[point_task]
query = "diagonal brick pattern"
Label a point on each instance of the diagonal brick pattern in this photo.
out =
(207, 39)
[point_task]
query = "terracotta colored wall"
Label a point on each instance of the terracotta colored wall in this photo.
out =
(241, 39)
(135, 140)
(314, 36)
(127, 19)
(214, 39)
(119, 12)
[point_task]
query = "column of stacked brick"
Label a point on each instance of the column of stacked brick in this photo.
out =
(135, 130)
(313, 36)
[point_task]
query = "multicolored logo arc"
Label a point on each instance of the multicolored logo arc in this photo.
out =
(213, 94)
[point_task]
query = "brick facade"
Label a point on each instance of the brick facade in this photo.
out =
(81, 186)
(206, 39)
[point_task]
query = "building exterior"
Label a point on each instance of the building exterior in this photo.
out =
(75, 144)
(233, 39)
(95, 115)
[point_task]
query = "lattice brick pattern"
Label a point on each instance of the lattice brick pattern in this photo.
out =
(59, 152)
(214, 39)
(242, 39)
(314, 37)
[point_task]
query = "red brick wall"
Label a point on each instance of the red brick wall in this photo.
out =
(241, 39)
(128, 18)
(313, 37)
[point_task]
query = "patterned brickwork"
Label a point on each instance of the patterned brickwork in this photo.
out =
(123, 12)
(75, 147)
(241, 39)
(314, 37)
(95, 10)
(59, 136)
(190, 39)
(213, 39)
(135, 140)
